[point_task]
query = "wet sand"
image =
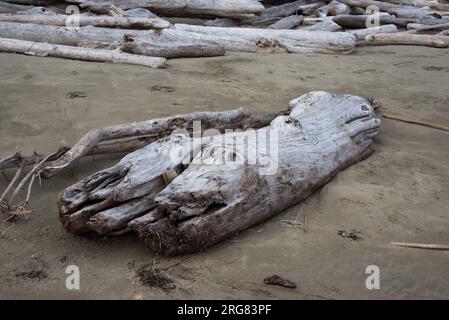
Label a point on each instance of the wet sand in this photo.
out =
(400, 193)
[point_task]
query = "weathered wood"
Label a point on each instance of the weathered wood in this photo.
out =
(289, 22)
(381, 5)
(76, 53)
(222, 22)
(426, 29)
(105, 201)
(360, 21)
(408, 39)
(326, 25)
(413, 12)
(233, 39)
(309, 9)
(211, 201)
(222, 8)
(362, 33)
(171, 49)
(124, 146)
(12, 8)
(275, 13)
(333, 8)
(161, 127)
(82, 21)
(295, 41)
(32, 2)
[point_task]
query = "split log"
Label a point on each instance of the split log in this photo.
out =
(222, 8)
(171, 49)
(82, 21)
(407, 39)
(290, 22)
(76, 53)
(233, 39)
(360, 21)
(361, 34)
(213, 199)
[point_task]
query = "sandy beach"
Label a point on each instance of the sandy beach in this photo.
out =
(400, 193)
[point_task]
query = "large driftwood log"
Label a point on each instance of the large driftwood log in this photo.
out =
(171, 49)
(408, 39)
(77, 53)
(104, 202)
(82, 21)
(233, 181)
(210, 201)
(222, 8)
(381, 5)
(233, 39)
(295, 41)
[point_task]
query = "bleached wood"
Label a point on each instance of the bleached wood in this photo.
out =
(82, 21)
(233, 39)
(208, 203)
(76, 53)
(407, 39)
(222, 8)
(289, 22)
(295, 41)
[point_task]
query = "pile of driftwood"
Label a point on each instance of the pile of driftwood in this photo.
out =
(146, 32)
(183, 192)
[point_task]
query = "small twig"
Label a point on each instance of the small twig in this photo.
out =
(29, 174)
(431, 246)
(11, 184)
(417, 122)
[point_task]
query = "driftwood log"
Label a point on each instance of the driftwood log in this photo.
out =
(408, 39)
(222, 8)
(233, 39)
(289, 22)
(184, 194)
(82, 21)
(294, 41)
(171, 49)
(274, 13)
(76, 53)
